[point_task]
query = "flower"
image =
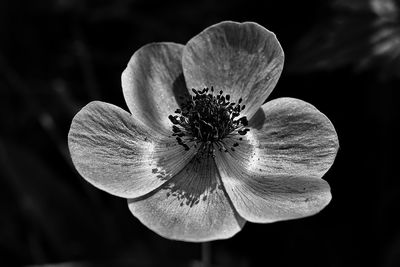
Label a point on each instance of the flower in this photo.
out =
(195, 165)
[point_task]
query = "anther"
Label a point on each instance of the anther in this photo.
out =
(206, 119)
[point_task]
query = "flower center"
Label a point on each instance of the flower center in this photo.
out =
(205, 119)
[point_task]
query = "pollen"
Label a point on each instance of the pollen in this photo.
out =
(205, 119)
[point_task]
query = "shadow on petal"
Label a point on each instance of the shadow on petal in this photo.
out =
(258, 119)
(192, 206)
(180, 90)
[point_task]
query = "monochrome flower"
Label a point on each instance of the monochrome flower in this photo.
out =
(199, 154)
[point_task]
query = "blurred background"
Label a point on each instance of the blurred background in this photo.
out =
(58, 55)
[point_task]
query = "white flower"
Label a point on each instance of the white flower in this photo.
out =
(189, 175)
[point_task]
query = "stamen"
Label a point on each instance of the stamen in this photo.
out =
(207, 119)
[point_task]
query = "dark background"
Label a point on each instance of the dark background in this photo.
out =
(56, 56)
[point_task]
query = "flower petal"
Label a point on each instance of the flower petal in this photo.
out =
(274, 174)
(190, 207)
(152, 83)
(262, 198)
(244, 60)
(118, 154)
(293, 137)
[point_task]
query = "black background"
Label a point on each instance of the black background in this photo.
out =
(56, 56)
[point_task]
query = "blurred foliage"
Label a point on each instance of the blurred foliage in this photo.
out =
(361, 33)
(58, 55)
